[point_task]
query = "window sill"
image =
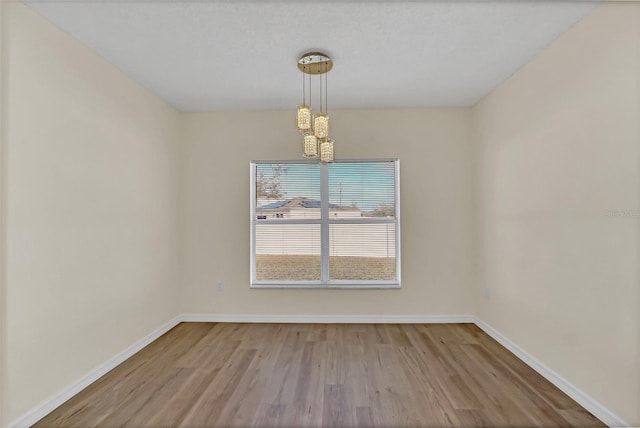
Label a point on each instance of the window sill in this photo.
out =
(332, 286)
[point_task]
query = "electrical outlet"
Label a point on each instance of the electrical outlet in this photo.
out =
(487, 293)
(219, 286)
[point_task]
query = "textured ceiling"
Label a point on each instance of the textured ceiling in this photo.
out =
(241, 55)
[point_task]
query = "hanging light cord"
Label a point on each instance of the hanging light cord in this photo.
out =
(326, 84)
(309, 90)
(304, 97)
(321, 111)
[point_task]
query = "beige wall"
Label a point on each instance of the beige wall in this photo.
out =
(557, 155)
(3, 135)
(91, 236)
(435, 168)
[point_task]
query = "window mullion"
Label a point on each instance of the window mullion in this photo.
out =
(324, 228)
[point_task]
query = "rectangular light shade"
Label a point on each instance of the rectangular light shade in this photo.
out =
(326, 151)
(310, 146)
(321, 126)
(303, 118)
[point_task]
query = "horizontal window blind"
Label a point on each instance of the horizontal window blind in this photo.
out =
(368, 187)
(291, 189)
(362, 252)
(321, 225)
(287, 252)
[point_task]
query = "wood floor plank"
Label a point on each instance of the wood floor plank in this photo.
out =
(207, 410)
(436, 409)
(309, 386)
(135, 410)
(319, 375)
(175, 409)
(335, 412)
(270, 415)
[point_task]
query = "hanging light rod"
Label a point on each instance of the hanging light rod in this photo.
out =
(315, 63)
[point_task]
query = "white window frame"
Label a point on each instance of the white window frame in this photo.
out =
(324, 221)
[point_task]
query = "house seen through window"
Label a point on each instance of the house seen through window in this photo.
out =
(325, 225)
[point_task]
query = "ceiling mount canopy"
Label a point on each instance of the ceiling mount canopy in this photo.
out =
(315, 63)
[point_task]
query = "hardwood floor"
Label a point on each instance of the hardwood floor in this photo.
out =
(289, 375)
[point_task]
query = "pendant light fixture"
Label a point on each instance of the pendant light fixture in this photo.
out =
(315, 128)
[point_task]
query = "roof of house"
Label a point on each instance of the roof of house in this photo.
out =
(302, 203)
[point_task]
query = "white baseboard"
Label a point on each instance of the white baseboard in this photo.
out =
(332, 319)
(597, 409)
(62, 396)
(565, 386)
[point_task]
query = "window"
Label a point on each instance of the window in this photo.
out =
(325, 225)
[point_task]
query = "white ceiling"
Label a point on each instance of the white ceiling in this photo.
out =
(241, 55)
